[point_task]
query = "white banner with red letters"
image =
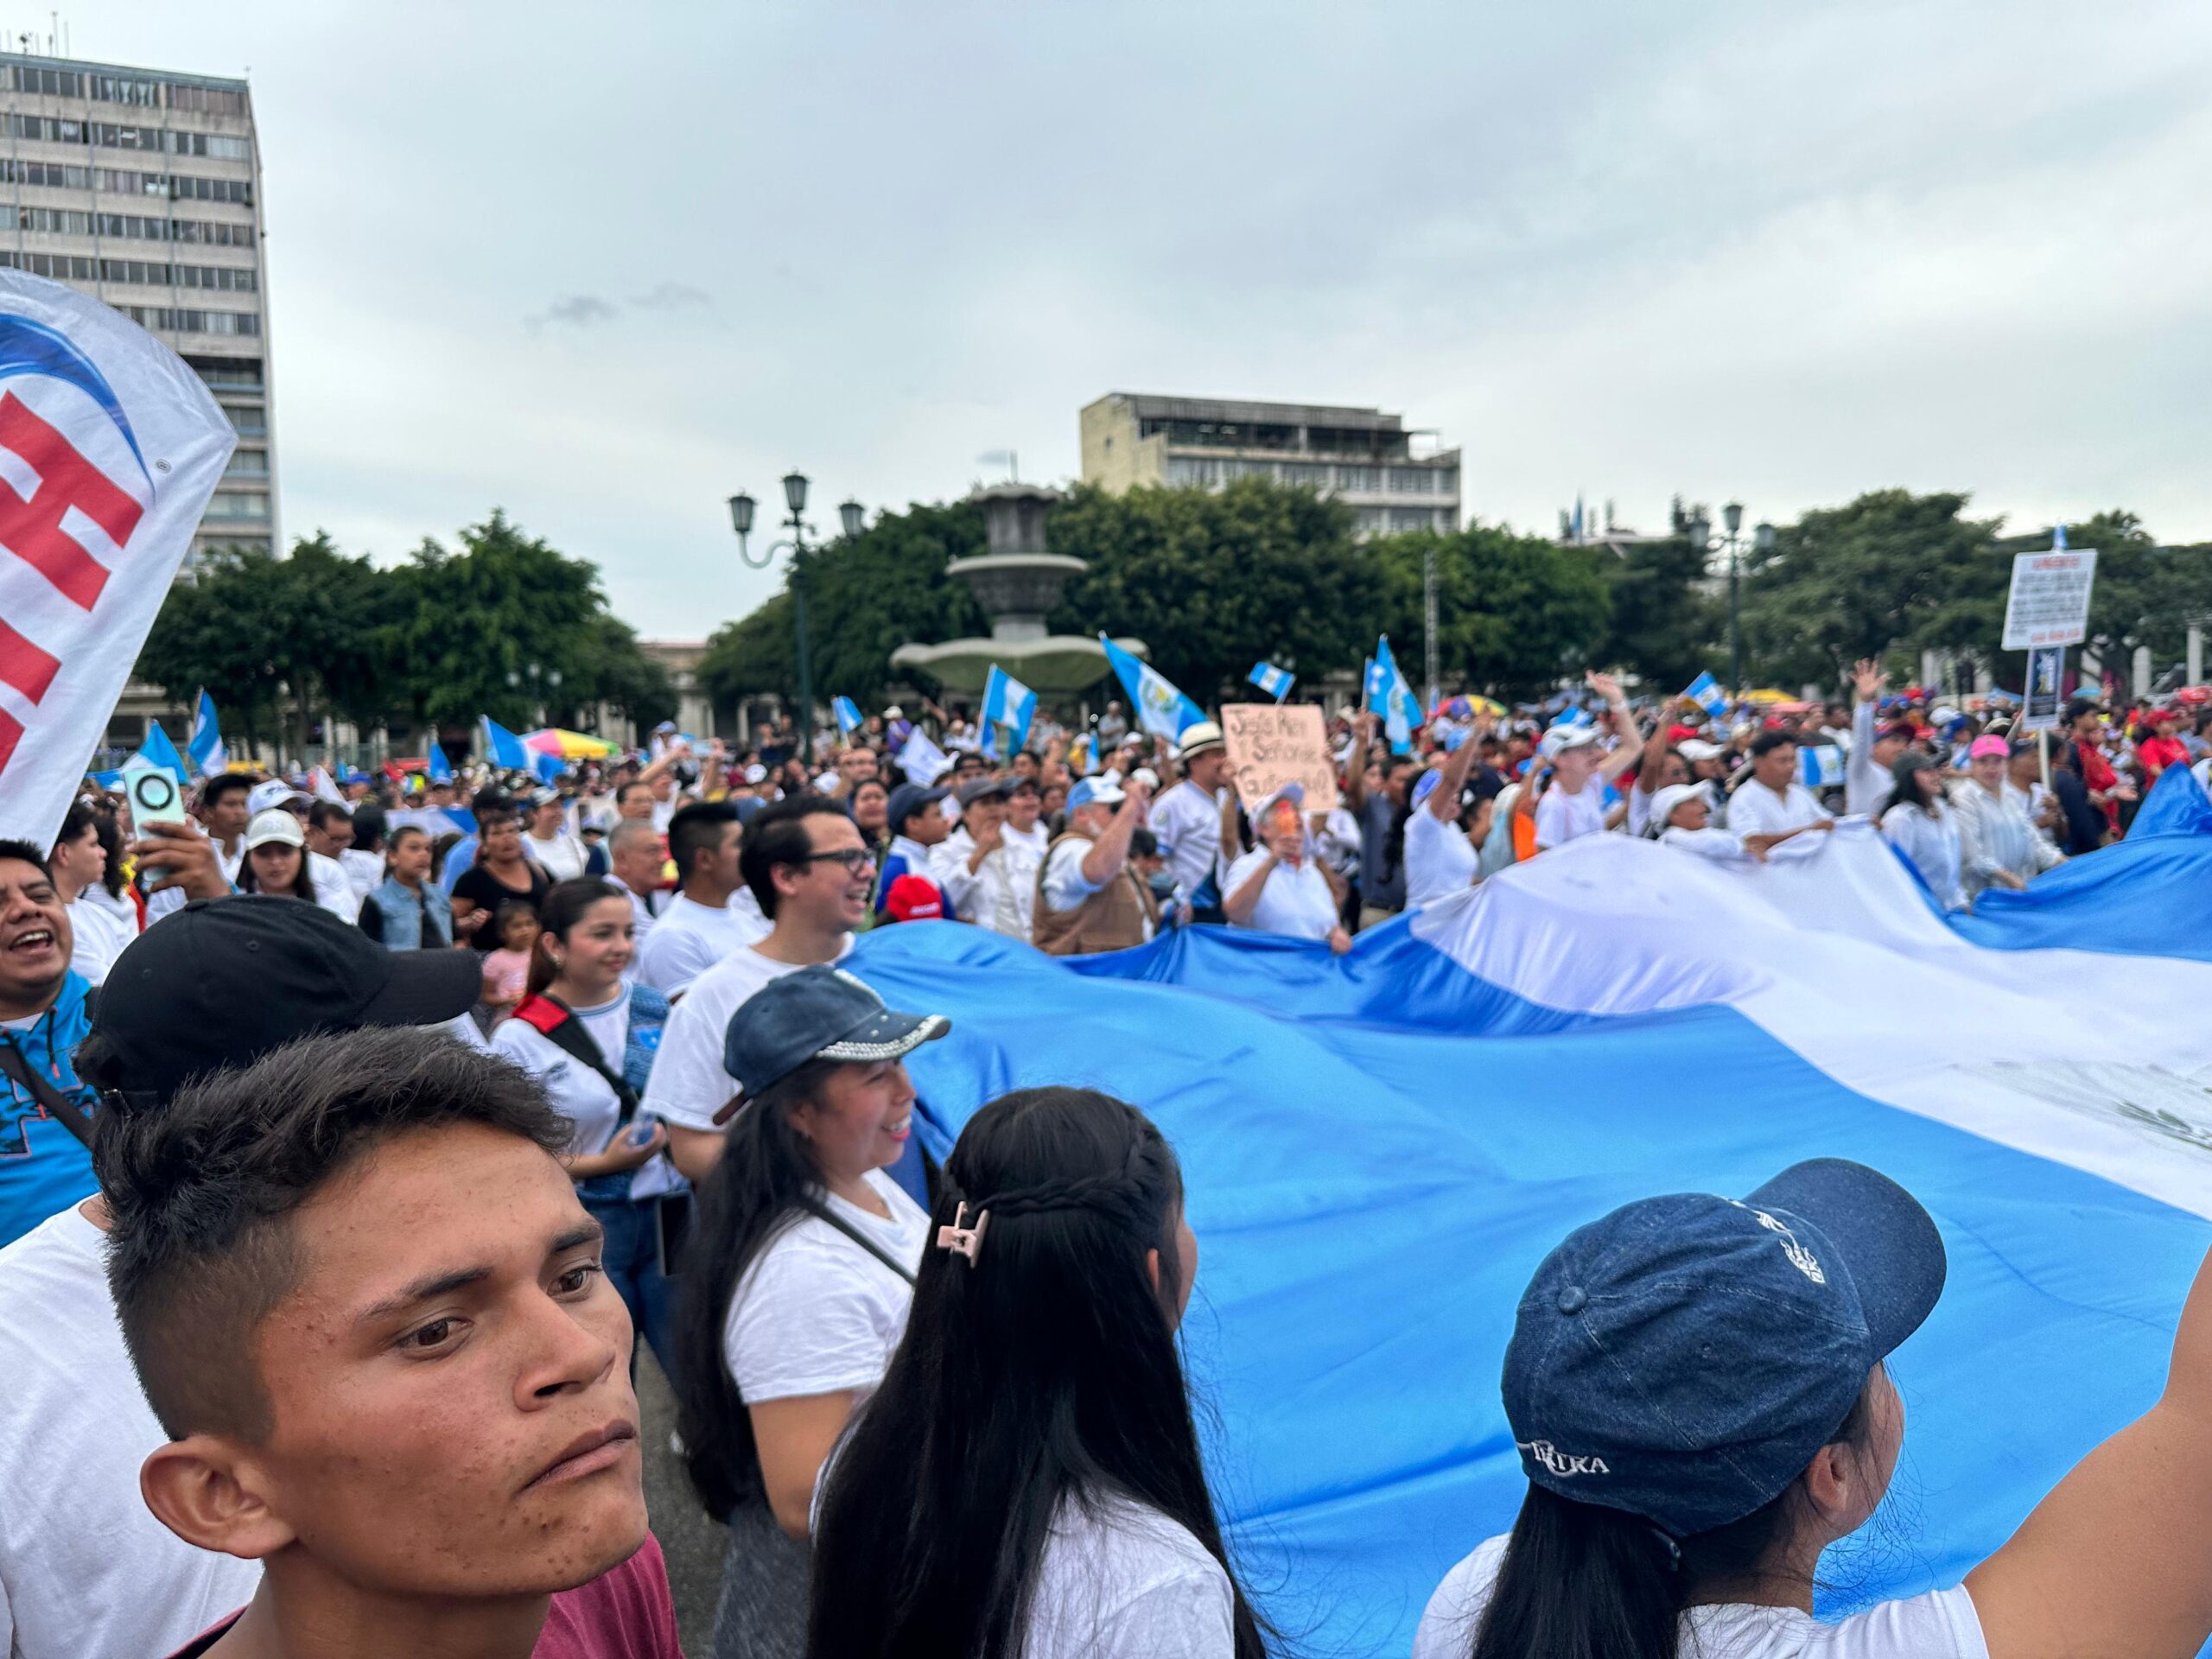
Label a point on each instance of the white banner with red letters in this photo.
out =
(108, 449)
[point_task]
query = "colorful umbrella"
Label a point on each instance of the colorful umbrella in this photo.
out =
(570, 746)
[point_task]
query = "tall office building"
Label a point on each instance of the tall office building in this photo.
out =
(1362, 456)
(142, 187)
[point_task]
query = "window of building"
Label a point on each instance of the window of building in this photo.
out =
(48, 83)
(237, 504)
(120, 182)
(185, 188)
(1364, 480)
(46, 129)
(1305, 473)
(210, 232)
(61, 267)
(1191, 472)
(125, 89)
(226, 370)
(1405, 518)
(1412, 480)
(229, 279)
(1252, 469)
(51, 175)
(52, 221)
(209, 100)
(109, 135)
(248, 423)
(247, 462)
(131, 227)
(1448, 480)
(1366, 521)
(180, 321)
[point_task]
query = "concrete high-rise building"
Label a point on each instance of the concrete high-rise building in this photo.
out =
(142, 187)
(1362, 456)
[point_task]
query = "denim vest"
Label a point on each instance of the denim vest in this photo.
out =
(402, 910)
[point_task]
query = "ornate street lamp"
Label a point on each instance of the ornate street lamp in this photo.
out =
(851, 514)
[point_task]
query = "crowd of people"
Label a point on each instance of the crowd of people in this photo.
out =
(352, 1145)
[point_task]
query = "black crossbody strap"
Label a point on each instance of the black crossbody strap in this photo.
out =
(569, 1036)
(822, 1211)
(18, 1068)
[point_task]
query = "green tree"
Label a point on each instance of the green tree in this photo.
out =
(1215, 581)
(1515, 613)
(1888, 570)
(866, 596)
(1664, 627)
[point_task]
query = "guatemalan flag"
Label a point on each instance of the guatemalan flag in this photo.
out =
(1706, 692)
(437, 769)
(1007, 702)
(206, 746)
(1160, 709)
(1276, 682)
(1391, 697)
(507, 752)
(848, 713)
(1378, 1149)
(160, 751)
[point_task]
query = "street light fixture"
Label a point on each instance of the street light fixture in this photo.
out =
(1699, 530)
(851, 515)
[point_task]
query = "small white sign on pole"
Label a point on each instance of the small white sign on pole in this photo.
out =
(2048, 603)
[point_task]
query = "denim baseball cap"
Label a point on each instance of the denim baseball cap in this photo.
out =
(1683, 1358)
(820, 1013)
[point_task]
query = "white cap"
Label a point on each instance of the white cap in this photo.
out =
(1558, 740)
(1696, 748)
(1664, 803)
(275, 792)
(274, 824)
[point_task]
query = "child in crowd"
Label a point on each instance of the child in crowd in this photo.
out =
(506, 970)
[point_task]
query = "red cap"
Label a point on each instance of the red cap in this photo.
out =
(914, 898)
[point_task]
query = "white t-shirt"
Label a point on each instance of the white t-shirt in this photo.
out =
(562, 857)
(1036, 838)
(688, 1085)
(1942, 1624)
(579, 1093)
(1118, 1580)
(1440, 859)
(84, 1568)
(815, 1313)
(641, 913)
(1561, 818)
(98, 937)
(1187, 822)
(1297, 902)
(1754, 810)
(334, 888)
(364, 870)
(690, 938)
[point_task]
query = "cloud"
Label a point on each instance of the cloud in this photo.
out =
(672, 296)
(576, 311)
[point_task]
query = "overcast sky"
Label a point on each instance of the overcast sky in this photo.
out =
(602, 265)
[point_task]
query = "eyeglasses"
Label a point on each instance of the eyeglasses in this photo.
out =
(857, 861)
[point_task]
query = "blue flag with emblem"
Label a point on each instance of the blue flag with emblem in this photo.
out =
(1389, 697)
(1007, 702)
(209, 755)
(1706, 692)
(440, 770)
(848, 713)
(1160, 709)
(507, 752)
(1276, 682)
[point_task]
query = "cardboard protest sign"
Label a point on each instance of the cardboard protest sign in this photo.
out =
(1271, 745)
(108, 449)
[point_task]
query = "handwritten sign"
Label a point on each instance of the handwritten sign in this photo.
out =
(2049, 601)
(1271, 745)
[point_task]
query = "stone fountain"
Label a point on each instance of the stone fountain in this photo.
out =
(1017, 582)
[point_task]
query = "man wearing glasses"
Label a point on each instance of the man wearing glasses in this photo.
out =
(805, 861)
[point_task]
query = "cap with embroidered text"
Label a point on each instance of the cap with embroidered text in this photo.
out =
(820, 1013)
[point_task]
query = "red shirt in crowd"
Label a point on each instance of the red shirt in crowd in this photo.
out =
(624, 1613)
(2157, 753)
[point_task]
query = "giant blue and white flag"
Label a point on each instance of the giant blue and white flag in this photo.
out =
(1378, 1149)
(1007, 702)
(110, 447)
(1158, 707)
(209, 753)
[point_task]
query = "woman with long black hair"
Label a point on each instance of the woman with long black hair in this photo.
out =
(1026, 1484)
(1699, 1389)
(1918, 822)
(799, 1272)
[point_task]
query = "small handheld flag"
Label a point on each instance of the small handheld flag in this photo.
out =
(508, 752)
(922, 760)
(323, 787)
(1009, 703)
(1389, 695)
(1821, 765)
(158, 751)
(1706, 692)
(848, 713)
(206, 744)
(440, 770)
(1160, 709)
(1276, 682)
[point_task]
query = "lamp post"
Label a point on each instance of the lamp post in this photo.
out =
(850, 515)
(543, 681)
(1700, 534)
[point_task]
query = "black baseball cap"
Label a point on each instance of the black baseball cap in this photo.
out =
(224, 981)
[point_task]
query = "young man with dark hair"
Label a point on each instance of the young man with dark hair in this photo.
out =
(223, 813)
(1770, 801)
(361, 1295)
(813, 875)
(84, 1568)
(44, 1127)
(712, 914)
(77, 864)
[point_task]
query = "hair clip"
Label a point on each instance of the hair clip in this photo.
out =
(962, 1239)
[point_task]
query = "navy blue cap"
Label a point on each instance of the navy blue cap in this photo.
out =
(819, 1013)
(1684, 1357)
(906, 800)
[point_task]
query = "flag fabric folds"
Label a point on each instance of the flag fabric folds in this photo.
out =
(1160, 708)
(1378, 1149)
(1276, 682)
(1007, 702)
(922, 760)
(1706, 692)
(439, 769)
(158, 751)
(1390, 697)
(206, 746)
(507, 751)
(848, 713)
